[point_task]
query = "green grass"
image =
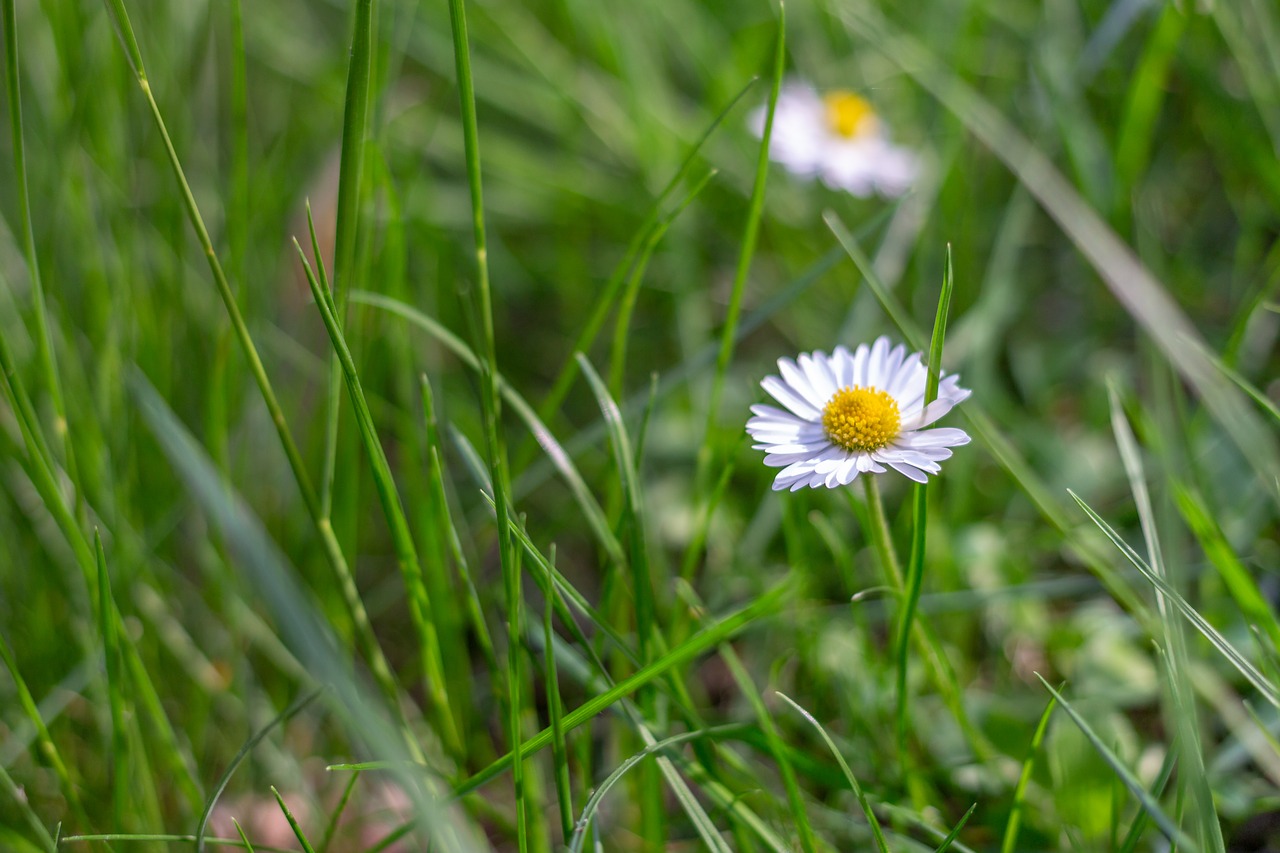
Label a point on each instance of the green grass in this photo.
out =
(472, 552)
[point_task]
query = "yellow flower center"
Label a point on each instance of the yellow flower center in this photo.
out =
(861, 419)
(847, 114)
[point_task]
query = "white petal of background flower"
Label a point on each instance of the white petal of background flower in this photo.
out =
(806, 143)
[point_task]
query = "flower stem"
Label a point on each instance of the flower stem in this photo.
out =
(878, 530)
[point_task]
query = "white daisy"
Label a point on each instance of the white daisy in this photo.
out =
(853, 413)
(836, 137)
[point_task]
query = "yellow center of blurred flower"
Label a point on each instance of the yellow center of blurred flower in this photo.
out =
(861, 419)
(847, 114)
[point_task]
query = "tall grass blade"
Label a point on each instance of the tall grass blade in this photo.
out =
(1011, 827)
(491, 406)
(332, 550)
(1204, 814)
(920, 507)
(1219, 642)
(44, 343)
(1167, 827)
(393, 510)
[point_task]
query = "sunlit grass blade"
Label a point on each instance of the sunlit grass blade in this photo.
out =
(393, 510)
(1215, 638)
(244, 839)
(872, 821)
(559, 457)
(1149, 804)
(1011, 827)
(920, 507)
(1136, 288)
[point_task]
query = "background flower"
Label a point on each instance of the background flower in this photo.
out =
(836, 137)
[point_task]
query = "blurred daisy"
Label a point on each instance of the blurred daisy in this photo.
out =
(853, 413)
(836, 137)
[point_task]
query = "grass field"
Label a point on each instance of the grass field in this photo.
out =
(374, 466)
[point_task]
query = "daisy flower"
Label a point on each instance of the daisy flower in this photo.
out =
(854, 413)
(836, 137)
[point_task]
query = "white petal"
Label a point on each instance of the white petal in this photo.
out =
(875, 364)
(819, 374)
(909, 472)
(796, 377)
(940, 437)
(789, 398)
(842, 365)
(928, 415)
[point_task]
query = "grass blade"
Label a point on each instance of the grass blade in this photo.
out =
(393, 510)
(920, 502)
(1010, 842)
(881, 844)
(1152, 808)
(1219, 642)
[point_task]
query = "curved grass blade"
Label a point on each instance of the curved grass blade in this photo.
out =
(593, 802)
(881, 844)
(221, 785)
(1219, 642)
(1152, 808)
(559, 457)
